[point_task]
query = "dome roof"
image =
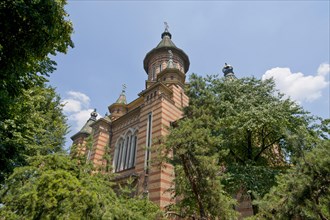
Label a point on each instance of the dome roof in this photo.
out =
(87, 129)
(122, 96)
(164, 45)
(228, 71)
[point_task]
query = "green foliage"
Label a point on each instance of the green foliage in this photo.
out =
(30, 31)
(31, 122)
(254, 180)
(241, 132)
(252, 117)
(259, 128)
(137, 207)
(34, 125)
(197, 171)
(58, 187)
(303, 191)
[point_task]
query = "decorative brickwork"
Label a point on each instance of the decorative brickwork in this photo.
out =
(131, 132)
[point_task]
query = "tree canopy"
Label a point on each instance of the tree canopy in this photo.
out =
(242, 132)
(31, 121)
(303, 191)
(56, 186)
(30, 32)
(34, 125)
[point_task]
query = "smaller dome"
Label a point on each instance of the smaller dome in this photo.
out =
(228, 71)
(87, 129)
(122, 96)
(94, 115)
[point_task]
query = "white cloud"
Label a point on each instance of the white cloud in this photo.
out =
(71, 105)
(77, 109)
(80, 118)
(323, 69)
(298, 86)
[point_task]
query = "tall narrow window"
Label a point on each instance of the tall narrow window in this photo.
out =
(122, 159)
(148, 142)
(132, 151)
(118, 157)
(88, 155)
(153, 73)
(181, 98)
(115, 159)
(127, 145)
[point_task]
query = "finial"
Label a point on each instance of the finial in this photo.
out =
(122, 96)
(166, 26)
(166, 32)
(124, 88)
(94, 115)
(228, 71)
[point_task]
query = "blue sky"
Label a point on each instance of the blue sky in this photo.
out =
(287, 40)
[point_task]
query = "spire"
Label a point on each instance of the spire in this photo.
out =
(166, 32)
(166, 38)
(122, 96)
(228, 72)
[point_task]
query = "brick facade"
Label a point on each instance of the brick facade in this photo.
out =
(144, 121)
(132, 131)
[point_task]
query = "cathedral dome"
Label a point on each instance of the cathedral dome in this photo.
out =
(157, 56)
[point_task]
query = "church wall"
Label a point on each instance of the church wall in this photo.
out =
(154, 108)
(160, 176)
(100, 141)
(179, 97)
(80, 144)
(170, 114)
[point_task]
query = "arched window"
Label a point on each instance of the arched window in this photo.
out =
(153, 73)
(125, 151)
(118, 154)
(131, 160)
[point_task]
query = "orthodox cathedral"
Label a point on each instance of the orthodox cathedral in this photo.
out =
(129, 132)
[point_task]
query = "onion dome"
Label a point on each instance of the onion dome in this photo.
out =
(122, 98)
(160, 53)
(87, 129)
(228, 71)
(118, 108)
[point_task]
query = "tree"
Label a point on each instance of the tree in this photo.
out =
(303, 192)
(258, 126)
(197, 180)
(255, 134)
(34, 125)
(30, 31)
(30, 118)
(59, 187)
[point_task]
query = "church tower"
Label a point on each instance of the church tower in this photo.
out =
(132, 131)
